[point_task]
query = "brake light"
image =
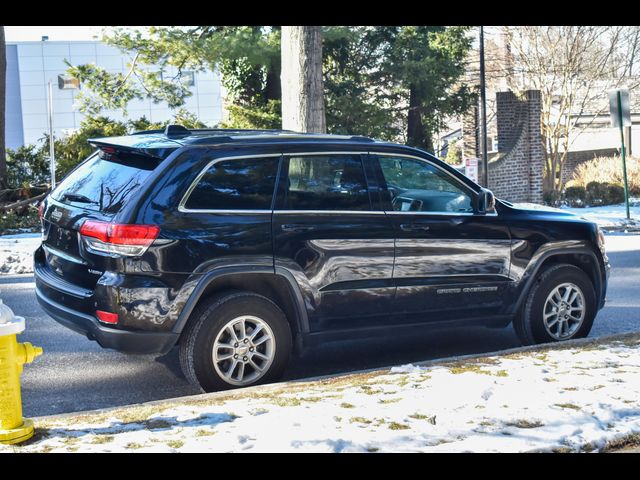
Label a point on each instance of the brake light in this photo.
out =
(107, 317)
(119, 239)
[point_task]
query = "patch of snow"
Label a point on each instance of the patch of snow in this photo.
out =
(409, 368)
(16, 252)
(610, 216)
(607, 217)
(533, 401)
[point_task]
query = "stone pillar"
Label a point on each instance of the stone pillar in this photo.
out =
(517, 174)
(509, 118)
(536, 148)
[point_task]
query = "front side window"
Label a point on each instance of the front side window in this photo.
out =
(241, 184)
(417, 186)
(326, 182)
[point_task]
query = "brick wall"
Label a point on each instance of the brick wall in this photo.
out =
(516, 174)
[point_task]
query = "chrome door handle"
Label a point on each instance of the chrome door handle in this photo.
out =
(296, 228)
(413, 227)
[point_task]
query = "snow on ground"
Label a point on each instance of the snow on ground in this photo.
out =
(16, 252)
(611, 216)
(575, 397)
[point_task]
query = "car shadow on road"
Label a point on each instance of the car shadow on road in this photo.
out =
(343, 357)
(349, 356)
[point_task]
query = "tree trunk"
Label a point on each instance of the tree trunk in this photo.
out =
(302, 88)
(415, 129)
(3, 80)
(273, 89)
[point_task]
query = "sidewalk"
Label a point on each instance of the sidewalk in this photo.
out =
(578, 396)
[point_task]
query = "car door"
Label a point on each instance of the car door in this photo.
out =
(451, 262)
(333, 241)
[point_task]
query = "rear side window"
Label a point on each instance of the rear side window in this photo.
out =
(242, 184)
(104, 184)
(326, 182)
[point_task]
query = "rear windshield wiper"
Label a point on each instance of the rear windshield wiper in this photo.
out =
(78, 198)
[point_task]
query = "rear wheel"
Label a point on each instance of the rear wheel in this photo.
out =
(561, 306)
(235, 340)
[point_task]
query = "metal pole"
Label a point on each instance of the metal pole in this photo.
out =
(52, 158)
(624, 160)
(483, 113)
(627, 140)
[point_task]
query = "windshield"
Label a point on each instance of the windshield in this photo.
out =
(104, 185)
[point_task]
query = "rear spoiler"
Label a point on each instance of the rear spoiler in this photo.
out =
(155, 146)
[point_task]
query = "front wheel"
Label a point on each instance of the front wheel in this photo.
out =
(560, 306)
(235, 340)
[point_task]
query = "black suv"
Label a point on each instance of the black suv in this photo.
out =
(238, 246)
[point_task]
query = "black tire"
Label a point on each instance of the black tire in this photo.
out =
(529, 325)
(206, 323)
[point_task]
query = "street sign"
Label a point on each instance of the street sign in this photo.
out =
(619, 109)
(471, 168)
(620, 118)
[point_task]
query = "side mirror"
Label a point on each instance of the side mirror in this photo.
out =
(486, 201)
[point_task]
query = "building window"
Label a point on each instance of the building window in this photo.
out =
(188, 78)
(66, 82)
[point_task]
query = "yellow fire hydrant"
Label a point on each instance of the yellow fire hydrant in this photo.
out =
(13, 428)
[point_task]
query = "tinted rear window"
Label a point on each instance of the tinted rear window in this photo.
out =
(240, 184)
(104, 185)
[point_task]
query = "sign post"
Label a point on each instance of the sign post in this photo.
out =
(621, 117)
(471, 168)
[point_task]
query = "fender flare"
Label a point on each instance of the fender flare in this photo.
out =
(301, 320)
(537, 261)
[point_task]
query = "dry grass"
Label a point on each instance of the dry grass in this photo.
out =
(398, 426)
(100, 439)
(628, 441)
(567, 405)
(363, 420)
(608, 170)
(175, 443)
(524, 423)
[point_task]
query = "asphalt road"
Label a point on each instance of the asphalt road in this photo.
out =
(76, 374)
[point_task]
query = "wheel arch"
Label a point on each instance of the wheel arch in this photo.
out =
(279, 287)
(582, 257)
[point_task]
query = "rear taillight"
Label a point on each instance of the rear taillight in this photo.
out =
(107, 317)
(118, 239)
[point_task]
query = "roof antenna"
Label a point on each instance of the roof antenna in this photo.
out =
(176, 131)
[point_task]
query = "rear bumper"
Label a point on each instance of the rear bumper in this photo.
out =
(123, 340)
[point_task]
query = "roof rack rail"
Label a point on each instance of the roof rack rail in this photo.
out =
(361, 138)
(146, 132)
(230, 134)
(174, 128)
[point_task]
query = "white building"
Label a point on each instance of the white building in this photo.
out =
(31, 65)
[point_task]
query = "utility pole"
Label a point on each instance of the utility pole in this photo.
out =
(483, 114)
(52, 155)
